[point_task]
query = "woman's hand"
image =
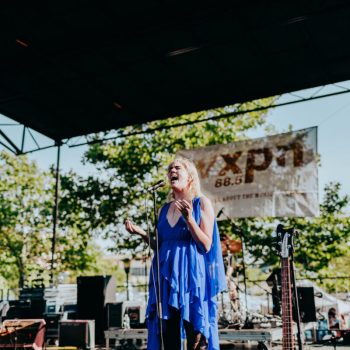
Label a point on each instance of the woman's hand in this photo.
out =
(202, 233)
(132, 228)
(185, 208)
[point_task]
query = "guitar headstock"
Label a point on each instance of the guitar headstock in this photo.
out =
(284, 241)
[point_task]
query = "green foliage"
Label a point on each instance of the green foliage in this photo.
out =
(336, 277)
(320, 241)
(26, 225)
(130, 164)
(25, 220)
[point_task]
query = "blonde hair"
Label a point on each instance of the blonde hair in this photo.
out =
(194, 183)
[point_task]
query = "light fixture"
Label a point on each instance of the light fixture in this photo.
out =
(183, 51)
(22, 43)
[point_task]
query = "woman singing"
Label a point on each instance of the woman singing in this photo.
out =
(191, 266)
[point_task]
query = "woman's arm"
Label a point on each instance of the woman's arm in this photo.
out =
(203, 233)
(134, 229)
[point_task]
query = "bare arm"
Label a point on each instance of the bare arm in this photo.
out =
(135, 229)
(204, 232)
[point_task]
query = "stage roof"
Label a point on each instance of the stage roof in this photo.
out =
(70, 68)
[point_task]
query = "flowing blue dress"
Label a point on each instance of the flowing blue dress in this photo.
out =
(190, 280)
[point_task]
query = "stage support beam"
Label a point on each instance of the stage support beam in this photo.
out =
(55, 213)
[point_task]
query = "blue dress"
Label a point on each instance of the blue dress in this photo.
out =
(190, 279)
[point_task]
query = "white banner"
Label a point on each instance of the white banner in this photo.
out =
(271, 176)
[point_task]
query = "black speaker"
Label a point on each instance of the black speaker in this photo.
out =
(307, 308)
(94, 292)
(276, 301)
(79, 333)
(52, 324)
(274, 281)
(37, 302)
(18, 309)
(114, 315)
(134, 313)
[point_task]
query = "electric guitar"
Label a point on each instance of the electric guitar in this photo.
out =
(285, 246)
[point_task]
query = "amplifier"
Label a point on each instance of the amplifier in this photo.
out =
(136, 311)
(26, 333)
(18, 309)
(79, 333)
(52, 323)
(307, 307)
(31, 293)
(114, 315)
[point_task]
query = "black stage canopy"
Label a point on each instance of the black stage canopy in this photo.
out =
(70, 68)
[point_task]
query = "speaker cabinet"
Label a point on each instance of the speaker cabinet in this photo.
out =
(307, 308)
(26, 333)
(18, 309)
(94, 292)
(136, 311)
(115, 315)
(52, 324)
(79, 333)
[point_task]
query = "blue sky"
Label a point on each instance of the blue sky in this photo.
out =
(332, 117)
(330, 114)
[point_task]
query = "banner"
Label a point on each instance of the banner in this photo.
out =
(271, 176)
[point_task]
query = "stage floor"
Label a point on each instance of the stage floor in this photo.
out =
(240, 346)
(259, 339)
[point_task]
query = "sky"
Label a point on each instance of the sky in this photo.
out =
(330, 114)
(332, 117)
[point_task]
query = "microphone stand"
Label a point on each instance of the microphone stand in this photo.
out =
(158, 293)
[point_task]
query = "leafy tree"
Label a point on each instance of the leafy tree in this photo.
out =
(26, 206)
(25, 220)
(336, 277)
(320, 241)
(128, 165)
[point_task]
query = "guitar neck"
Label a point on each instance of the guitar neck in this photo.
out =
(287, 315)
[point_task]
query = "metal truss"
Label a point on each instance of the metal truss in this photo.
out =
(27, 140)
(20, 139)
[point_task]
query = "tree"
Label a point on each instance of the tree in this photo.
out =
(320, 241)
(128, 165)
(26, 207)
(25, 220)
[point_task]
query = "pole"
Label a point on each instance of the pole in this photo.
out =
(158, 292)
(55, 212)
(244, 268)
(146, 279)
(127, 286)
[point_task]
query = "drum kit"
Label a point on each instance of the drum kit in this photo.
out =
(232, 312)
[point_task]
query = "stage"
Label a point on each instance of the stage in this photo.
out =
(263, 338)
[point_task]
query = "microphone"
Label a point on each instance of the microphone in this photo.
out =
(157, 185)
(221, 211)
